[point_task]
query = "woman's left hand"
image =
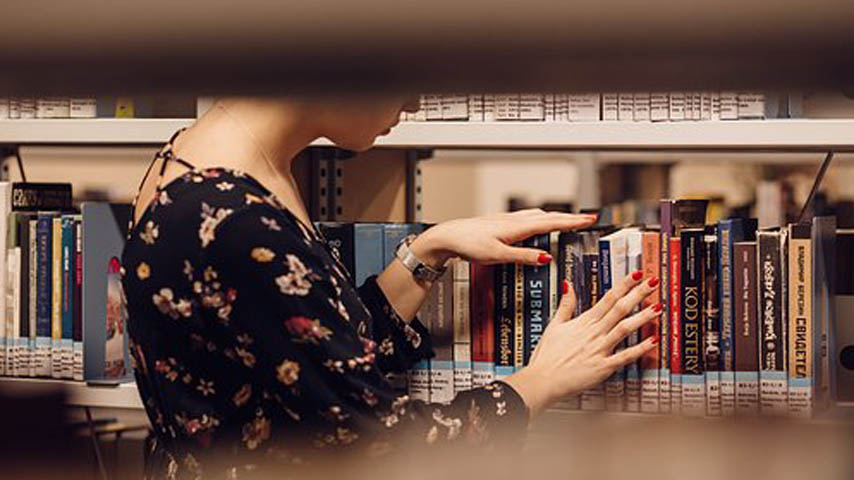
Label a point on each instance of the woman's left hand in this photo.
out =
(489, 239)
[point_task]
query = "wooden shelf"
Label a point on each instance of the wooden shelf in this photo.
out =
(79, 394)
(758, 135)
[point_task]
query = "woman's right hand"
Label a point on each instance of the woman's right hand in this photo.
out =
(573, 356)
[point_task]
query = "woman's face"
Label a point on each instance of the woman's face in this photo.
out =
(354, 124)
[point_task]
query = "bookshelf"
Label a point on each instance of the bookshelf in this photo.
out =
(758, 135)
(79, 394)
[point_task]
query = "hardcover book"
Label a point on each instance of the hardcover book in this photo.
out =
(642, 107)
(455, 106)
(34, 197)
(594, 398)
(729, 106)
(475, 108)
(801, 325)
(650, 364)
(584, 107)
(531, 107)
(626, 107)
(462, 325)
(827, 249)
(659, 107)
(675, 266)
(483, 316)
(712, 324)
(442, 335)
(613, 267)
(610, 107)
(634, 262)
(536, 296)
(666, 226)
(746, 360)
(691, 321)
(771, 272)
(505, 325)
(677, 106)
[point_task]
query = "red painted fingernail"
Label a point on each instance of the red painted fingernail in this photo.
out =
(658, 307)
(654, 340)
(653, 282)
(565, 287)
(544, 258)
(637, 275)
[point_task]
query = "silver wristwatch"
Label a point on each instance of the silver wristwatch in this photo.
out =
(420, 270)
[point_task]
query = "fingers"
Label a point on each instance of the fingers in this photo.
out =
(533, 224)
(568, 302)
(624, 328)
(625, 305)
(618, 291)
(631, 354)
(525, 255)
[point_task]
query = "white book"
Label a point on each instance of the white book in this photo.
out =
(4, 108)
(455, 106)
(507, 107)
(13, 300)
(5, 211)
(27, 107)
(442, 332)
(433, 107)
(696, 105)
(52, 107)
(751, 105)
(488, 107)
(659, 106)
(610, 107)
(642, 106)
(562, 107)
(475, 107)
(549, 107)
(729, 106)
(634, 262)
(584, 107)
(716, 106)
(14, 107)
(85, 107)
(532, 107)
(626, 107)
(462, 331)
(615, 385)
(677, 106)
(689, 105)
(33, 361)
(705, 105)
(421, 114)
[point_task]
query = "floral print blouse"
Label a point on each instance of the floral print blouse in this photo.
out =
(251, 345)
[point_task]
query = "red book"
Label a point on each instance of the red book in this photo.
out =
(675, 266)
(650, 364)
(482, 310)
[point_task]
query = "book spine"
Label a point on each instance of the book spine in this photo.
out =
(642, 107)
(26, 108)
(531, 107)
(773, 388)
(729, 106)
(634, 262)
(507, 107)
(562, 107)
(751, 105)
(716, 106)
(432, 107)
(442, 334)
(659, 106)
(462, 325)
(56, 298)
(593, 398)
(13, 334)
(454, 107)
(666, 217)
(475, 108)
(615, 385)
(30, 359)
(536, 297)
(368, 250)
(85, 107)
(584, 107)
(705, 105)
(696, 105)
(550, 107)
(675, 266)
(68, 252)
(6, 228)
(677, 106)
(626, 107)
(691, 322)
(727, 231)
(801, 368)
(483, 316)
(650, 363)
(746, 362)
(77, 303)
(504, 328)
(610, 107)
(488, 107)
(712, 326)
(519, 331)
(44, 244)
(4, 108)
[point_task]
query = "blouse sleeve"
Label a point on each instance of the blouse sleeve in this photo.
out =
(401, 344)
(286, 310)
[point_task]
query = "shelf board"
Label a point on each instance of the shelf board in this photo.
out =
(756, 135)
(79, 394)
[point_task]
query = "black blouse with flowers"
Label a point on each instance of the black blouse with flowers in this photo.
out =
(252, 346)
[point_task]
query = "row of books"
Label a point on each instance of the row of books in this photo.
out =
(48, 107)
(748, 312)
(62, 294)
(592, 107)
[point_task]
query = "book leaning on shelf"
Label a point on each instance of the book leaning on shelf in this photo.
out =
(65, 318)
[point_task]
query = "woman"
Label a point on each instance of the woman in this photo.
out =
(251, 344)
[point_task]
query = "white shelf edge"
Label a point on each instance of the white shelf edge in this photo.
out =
(748, 135)
(79, 394)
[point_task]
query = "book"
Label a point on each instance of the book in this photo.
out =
(507, 107)
(519, 332)
(771, 272)
(610, 106)
(659, 107)
(666, 233)
(4, 108)
(536, 296)
(751, 105)
(625, 107)
(650, 363)
(801, 330)
(442, 335)
(691, 321)
(531, 107)
(829, 245)
(634, 262)
(488, 107)
(82, 107)
(67, 297)
(674, 266)
(642, 107)
(729, 105)
(612, 268)
(746, 334)
(562, 107)
(716, 106)
(454, 107)
(677, 106)
(55, 255)
(475, 108)
(712, 323)
(5, 285)
(593, 398)
(52, 107)
(505, 304)
(42, 354)
(549, 107)
(432, 106)
(461, 326)
(696, 105)
(14, 107)
(29, 354)
(26, 108)
(34, 197)
(359, 246)
(77, 372)
(483, 319)
(705, 105)
(584, 107)
(730, 231)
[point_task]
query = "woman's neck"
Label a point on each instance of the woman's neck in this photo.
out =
(258, 136)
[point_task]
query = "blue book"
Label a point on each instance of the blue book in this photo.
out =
(44, 246)
(66, 343)
(613, 267)
(536, 297)
(730, 231)
(359, 247)
(393, 234)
